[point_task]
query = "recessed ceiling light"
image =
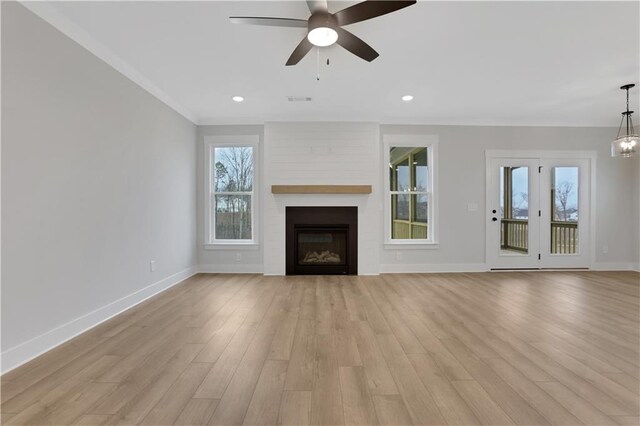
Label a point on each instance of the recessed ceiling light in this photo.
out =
(238, 99)
(407, 98)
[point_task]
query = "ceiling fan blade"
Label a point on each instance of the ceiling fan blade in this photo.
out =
(317, 6)
(298, 53)
(270, 22)
(369, 9)
(355, 45)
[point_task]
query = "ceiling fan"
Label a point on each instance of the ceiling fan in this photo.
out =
(324, 28)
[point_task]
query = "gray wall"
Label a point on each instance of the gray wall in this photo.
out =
(461, 170)
(461, 180)
(98, 178)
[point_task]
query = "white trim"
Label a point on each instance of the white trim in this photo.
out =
(431, 267)
(592, 207)
(232, 246)
(50, 14)
(26, 351)
(1, 198)
(431, 143)
(550, 154)
(615, 266)
(237, 268)
(408, 245)
(394, 121)
(211, 142)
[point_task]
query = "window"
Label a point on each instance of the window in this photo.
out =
(231, 192)
(410, 194)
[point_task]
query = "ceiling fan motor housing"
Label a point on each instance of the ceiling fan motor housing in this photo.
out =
(322, 20)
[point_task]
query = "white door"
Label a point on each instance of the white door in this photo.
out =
(512, 211)
(538, 213)
(565, 215)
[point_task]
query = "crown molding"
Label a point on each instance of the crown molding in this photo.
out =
(51, 15)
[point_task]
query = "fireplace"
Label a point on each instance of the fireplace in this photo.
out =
(322, 240)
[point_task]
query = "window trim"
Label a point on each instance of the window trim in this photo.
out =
(217, 141)
(430, 142)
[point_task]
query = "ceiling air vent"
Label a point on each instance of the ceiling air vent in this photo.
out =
(298, 99)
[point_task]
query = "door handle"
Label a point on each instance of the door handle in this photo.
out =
(494, 219)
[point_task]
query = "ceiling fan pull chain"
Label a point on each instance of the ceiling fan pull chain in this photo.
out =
(317, 64)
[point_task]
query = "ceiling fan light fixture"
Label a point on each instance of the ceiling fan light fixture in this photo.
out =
(237, 99)
(322, 36)
(322, 29)
(627, 141)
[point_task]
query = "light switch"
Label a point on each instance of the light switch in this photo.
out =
(472, 207)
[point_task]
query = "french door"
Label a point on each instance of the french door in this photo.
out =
(538, 213)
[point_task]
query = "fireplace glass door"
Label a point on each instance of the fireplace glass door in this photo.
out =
(321, 250)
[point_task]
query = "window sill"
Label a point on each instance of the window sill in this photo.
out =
(408, 245)
(232, 246)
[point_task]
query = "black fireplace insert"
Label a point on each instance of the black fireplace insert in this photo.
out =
(322, 240)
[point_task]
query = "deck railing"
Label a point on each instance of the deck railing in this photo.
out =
(405, 230)
(514, 235)
(564, 237)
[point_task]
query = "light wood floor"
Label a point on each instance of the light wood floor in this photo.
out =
(489, 348)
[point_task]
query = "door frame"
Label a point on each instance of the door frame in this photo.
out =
(590, 156)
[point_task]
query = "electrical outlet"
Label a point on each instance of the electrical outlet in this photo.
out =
(398, 255)
(152, 265)
(605, 249)
(238, 257)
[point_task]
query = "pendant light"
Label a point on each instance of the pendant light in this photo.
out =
(626, 143)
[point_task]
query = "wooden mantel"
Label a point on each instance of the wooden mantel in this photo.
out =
(321, 189)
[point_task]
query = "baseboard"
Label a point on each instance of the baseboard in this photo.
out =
(435, 268)
(615, 266)
(25, 352)
(230, 269)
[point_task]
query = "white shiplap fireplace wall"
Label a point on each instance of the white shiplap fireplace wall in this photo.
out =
(319, 154)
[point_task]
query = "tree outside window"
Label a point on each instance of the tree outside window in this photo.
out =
(232, 184)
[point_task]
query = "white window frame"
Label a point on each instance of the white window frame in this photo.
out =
(210, 143)
(430, 142)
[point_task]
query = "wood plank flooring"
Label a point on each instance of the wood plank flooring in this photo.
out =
(527, 348)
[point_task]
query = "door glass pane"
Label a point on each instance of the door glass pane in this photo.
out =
(564, 210)
(514, 210)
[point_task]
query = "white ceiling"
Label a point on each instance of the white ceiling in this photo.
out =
(504, 63)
